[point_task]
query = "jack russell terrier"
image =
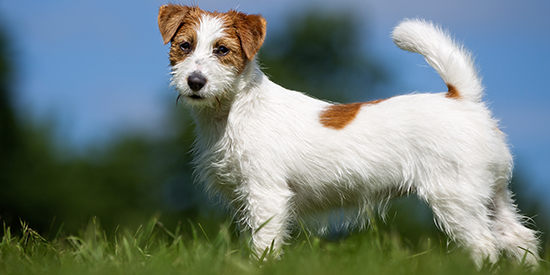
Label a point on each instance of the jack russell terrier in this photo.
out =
(279, 156)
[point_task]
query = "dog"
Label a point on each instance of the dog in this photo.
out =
(279, 156)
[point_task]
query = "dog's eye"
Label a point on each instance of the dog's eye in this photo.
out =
(185, 47)
(221, 50)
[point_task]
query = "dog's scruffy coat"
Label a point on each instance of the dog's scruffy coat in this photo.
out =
(278, 155)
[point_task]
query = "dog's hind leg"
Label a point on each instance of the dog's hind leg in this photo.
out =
(460, 210)
(514, 238)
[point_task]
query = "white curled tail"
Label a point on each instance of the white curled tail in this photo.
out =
(453, 63)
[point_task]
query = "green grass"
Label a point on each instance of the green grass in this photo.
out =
(154, 249)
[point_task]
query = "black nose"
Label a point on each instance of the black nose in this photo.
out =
(196, 81)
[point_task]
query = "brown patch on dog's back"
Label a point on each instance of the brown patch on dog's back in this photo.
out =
(372, 102)
(339, 116)
(452, 92)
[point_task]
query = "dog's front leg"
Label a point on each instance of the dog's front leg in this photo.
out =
(268, 215)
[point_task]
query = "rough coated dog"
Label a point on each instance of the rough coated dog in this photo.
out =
(278, 155)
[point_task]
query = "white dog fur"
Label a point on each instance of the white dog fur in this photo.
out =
(279, 155)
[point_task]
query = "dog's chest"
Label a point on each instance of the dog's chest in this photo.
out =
(219, 162)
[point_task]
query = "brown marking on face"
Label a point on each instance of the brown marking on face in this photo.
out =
(170, 19)
(338, 116)
(244, 34)
(186, 35)
(250, 29)
(452, 92)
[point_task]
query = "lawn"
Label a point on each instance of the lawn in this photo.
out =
(189, 249)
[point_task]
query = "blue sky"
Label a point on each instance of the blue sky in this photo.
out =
(98, 68)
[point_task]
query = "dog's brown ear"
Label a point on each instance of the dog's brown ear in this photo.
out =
(170, 18)
(251, 31)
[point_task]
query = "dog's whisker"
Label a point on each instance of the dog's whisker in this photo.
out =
(219, 104)
(178, 98)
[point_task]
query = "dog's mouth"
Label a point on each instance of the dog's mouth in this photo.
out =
(195, 97)
(192, 97)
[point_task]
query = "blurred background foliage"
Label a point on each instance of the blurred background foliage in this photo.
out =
(134, 177)
(312, 53)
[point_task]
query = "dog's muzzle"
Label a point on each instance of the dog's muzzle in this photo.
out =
(196, 81)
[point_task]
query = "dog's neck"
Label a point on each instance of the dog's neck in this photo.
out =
(211, 120)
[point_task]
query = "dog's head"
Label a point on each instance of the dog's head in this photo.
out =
(209, 49)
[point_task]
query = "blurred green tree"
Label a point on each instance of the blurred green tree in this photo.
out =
(42, 183)
(10, 132)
